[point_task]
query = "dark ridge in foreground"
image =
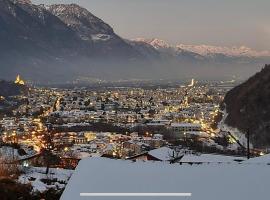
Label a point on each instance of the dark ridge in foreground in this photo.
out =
(248, 107)
(11, 89)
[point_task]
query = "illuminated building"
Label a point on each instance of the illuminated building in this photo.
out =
(19, 81)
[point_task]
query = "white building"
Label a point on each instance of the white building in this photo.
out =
(180, 129)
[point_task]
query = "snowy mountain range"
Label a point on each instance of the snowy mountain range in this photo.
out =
(204, 50)
(62, 42)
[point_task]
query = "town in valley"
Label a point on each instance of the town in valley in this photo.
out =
(141, 100)
(120, 122)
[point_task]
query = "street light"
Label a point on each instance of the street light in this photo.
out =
(185, 136)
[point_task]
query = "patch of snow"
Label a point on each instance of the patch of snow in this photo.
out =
(83, 155)
(241, 137)
(7, 152)
(101, 37)
(34, 175)
(210, 158)
(265, 159)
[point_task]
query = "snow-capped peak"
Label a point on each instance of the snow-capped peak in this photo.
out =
(206, 50)
(156, 43)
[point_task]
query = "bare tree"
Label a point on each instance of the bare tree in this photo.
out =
(9, 165)
(47, 151)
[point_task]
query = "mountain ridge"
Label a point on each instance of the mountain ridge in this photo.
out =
(248, 107)
(206, 50)
(61, 42)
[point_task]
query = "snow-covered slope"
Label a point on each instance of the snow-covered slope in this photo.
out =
(93, 30)
(205, 50)
(156, 43)
(210, 158)
(167, 51)
(265, 159)
(80, 20)
(35, 177)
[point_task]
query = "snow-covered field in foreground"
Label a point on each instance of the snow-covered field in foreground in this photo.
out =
(262, 160)
(210, 158)
(34, 176)
(205, 181)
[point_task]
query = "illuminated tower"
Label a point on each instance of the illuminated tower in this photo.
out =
(19, 81)
(192, 83)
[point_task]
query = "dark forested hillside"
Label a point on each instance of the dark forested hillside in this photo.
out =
(248, 106)
(10, 89)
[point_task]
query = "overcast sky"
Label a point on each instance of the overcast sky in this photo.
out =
(214, 22)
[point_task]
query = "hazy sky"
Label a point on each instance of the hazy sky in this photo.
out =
(214, 22)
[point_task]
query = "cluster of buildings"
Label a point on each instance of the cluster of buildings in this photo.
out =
(148, 118)
(131, 107)
(88, 144)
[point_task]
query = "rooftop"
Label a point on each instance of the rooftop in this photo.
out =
(205, 181)
(185, 125)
